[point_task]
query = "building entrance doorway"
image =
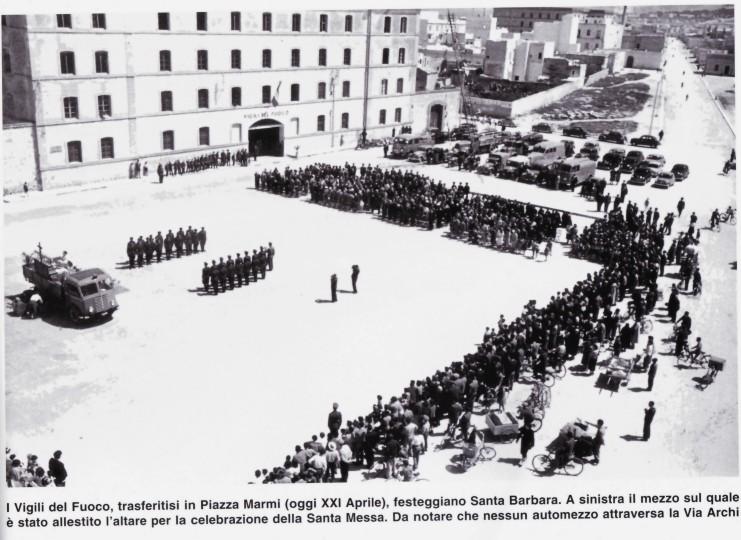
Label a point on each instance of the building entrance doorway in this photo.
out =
(266, 138)
(629, 62)
(436, 117)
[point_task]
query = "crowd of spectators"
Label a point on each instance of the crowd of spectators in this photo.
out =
(31, 474)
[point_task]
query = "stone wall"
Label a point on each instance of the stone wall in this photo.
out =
(18, 142)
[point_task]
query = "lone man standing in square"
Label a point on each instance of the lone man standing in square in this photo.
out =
(648, 417)
(333, 285)
(354, 277)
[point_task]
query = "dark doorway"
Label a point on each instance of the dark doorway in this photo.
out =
(436, 117)
(727, 70)
(266, 138)
(629, 62)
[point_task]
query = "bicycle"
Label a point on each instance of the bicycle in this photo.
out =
(729, 216)
(692, 359)
(547, 463)
(471, 456)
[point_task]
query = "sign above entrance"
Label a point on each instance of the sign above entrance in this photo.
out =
(272, 113)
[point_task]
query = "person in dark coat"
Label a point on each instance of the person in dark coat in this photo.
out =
(160, 172)
(599, 440)
(652, 374)
(271, 254)
(169, 242)
(333, 286)
(205, 276)
(354, 278)
(255, 264)
(158, 243)
(672, 306)
(247, 263)
(222, 274)
(202, 238)
(140, 251)
(229, 267)
(592, 362)
(214, 275)
(131, 251)
(57, 470)
(648, 418)
(526, 436)
(179, 240)
(334, 421)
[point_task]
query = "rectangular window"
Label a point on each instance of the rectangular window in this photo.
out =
(294, 92)
(387, 25)
(6, 61)
(236, 21)
(236, 59)
(201, 20)
(163, 23)
(166, 101)
(347, 57)
(402, 55)
(168, 140)
(385, 56)
(165, 61)
(345, 120)
(348, 23)
(397, 115)
(67, 61)
(101, 62)
(70, 107)
(540, 56)
(296, 22)
(64, 20)
(236, 96)
(74, 152)
(400, 86)
(382, 116)
(322, 57)
(589, 32)
(384, 87)
(203, 98)
(321, 91)
(267, 58)
(204, 137)
(202, 59)
(106, 148)
(104, 105)
(345, 88)
(99, 20)
(295, 58)
(323, 22)
(403, 25)
(267, 22)
(266, 94)
(320, 122)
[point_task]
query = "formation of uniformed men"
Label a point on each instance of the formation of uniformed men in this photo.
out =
(145, 250)
(238, 270)
(203, 162)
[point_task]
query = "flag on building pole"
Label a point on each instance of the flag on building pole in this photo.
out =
(274, 101)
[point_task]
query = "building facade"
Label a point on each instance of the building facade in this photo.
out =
(720, 63)
(643, 51)
(105, 89)
(522, 19)
(599, 30)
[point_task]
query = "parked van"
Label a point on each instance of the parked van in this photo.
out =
(575, 171)
(404, 145)
(546, 152)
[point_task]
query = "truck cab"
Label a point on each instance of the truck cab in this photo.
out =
(404, 145)
(545, 153)
(575, 171)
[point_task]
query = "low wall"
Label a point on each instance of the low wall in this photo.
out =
(509, 109)
(19, 158)
(594, 77)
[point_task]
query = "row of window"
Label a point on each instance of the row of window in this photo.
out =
(74, 150)
(64, 20)
(67, 59)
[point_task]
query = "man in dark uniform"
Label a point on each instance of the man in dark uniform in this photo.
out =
(140, 252)
(188, 240)
(205, 276)
(214, 275)
(179, 239)
(193, 238)
(158, 241)
(247, 264)
(648, 418)
(263, 258)
(131, 251)
(354, 278)
(333, 286)
(238, 268)
(271, 254)
(202, 238)
(652, 374)
(255, 264)
(230, 271)
(222, 274)
(149, 248)
(169, 242)
(160, 172)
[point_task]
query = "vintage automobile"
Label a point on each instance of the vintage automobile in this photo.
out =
(513, 168)
(589, 146)
(641, 177)
(417, 156)
(575, 171)
(654, 168)
(664, 180)
(628, 165)
(609, 161)
(542, 127)
(575, 131)
(645, 140)
(658, 158)
(612, 136)
(532, 139)
(463, 132)
(680, 171)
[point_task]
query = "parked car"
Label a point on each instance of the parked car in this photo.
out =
(628, 165)
(418, 156)
(463, 132)
(664, 180)
(635, 154)
(640, 177)
(589, 146)
(612, 136)
(658, 158)
(645, 140)
(575, 131)
(609, 161)
(533, 138)
(652, 167)
(680, 171)
(542, 128)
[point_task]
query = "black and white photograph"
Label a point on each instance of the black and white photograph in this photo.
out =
(368, 245)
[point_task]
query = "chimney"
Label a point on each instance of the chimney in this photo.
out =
(625, 10)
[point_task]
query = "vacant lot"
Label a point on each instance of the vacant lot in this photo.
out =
(618, 79)
(621, 101)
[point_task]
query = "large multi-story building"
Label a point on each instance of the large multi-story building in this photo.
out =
(522, 19)
(104, 89)
(599, 30)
